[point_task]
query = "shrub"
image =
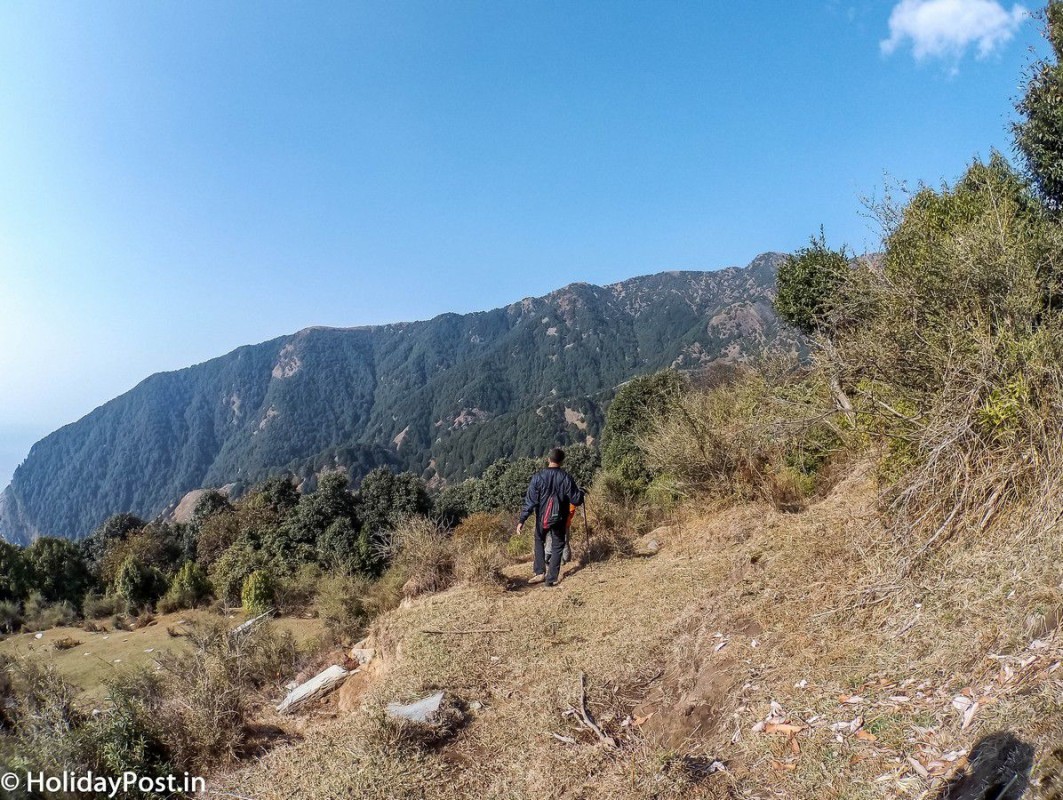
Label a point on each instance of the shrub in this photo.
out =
(16, 573)
(189, 588)
(631, 415)
(40, 615)
(484, 527)
(129, 735)
(453, 503)
(296, 593)
(420, 552)
(341, 605)
(138, 584)
(482, 563)
(345, 548)
(258, 595)
(210, 689)
(953, 351)
(502, 485)
(519, 545)
(764, 436)
(100, 606)
(809, 286)
(231, 570)
(10, 616)
(45, 719)
(481, 550)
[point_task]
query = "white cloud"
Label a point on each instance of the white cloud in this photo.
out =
(946, 28)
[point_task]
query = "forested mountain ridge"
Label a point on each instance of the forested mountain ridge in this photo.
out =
(444, 397)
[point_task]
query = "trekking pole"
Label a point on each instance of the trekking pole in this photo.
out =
(586, 534)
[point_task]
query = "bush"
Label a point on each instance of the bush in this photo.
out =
(453, 503)
(809, 286)
(129, 736)
(296, 593)
(631, 415)
(519, 545)
(231, 570)
(953, 351)
(45, 719)
(763, 437)
(343, 547)
(10, 616)
(189, 588)
(484, 527)
(101, 606)
(420, 552)
(191, 715)
(40, 615)
(480, 545)
(138, 584)
(210, 689)
(341, 605)
(259, 592)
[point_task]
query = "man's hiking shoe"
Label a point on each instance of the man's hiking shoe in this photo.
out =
(550, 584)
(537, 578)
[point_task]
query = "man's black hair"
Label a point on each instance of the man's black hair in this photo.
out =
(557, 456)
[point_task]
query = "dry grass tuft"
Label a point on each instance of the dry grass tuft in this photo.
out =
(444, 726)
(421, 554)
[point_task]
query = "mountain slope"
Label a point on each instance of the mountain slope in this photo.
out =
(443, 397)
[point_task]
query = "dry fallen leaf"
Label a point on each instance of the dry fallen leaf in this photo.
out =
(784, 727)
(919, 768)
(865, 736)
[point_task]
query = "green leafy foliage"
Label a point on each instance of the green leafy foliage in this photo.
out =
(809, 282)
(503, 485)
(60, 572)
(1039, 132)
(345, 549)
(189, 588)
(637, 406)
(385, 498)
(115, 528)
(140, 585)
(16, 573)
(259, 592)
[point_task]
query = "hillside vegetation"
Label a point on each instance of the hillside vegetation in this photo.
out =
(831, 578)
(445, 398)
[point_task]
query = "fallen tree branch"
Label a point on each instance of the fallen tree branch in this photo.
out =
(565, 739)
(585, 713)
(438, 632)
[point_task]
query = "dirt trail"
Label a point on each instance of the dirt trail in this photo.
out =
(757, 653)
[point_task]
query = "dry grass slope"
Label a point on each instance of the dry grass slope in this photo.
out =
(788, 648)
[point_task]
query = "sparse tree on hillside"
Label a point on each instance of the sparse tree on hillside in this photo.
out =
(1039, 133)
(16, 575)
(809, 295)
(59, 570)
(114, 529)
(638, 405)
(809, 283)
(138, 584)
(384, 498)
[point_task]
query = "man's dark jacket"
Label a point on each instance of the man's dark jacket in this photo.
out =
(552, 481)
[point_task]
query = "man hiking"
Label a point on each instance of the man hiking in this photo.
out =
(551, 494)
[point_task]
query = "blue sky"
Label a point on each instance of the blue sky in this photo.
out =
(180, 178)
